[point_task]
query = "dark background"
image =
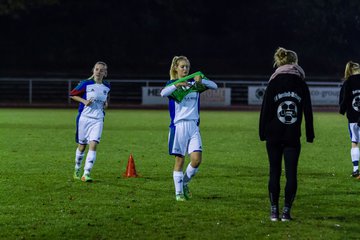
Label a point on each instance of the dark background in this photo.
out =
(138, 38)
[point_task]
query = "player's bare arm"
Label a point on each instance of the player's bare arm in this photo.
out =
(84, 101)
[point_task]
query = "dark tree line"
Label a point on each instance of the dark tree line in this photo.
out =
(139, 38)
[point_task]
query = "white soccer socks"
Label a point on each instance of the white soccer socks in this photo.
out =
(182, 179)
(79, 156)
(355, 158)
(189, 173)
(90, 160)
(178, 182)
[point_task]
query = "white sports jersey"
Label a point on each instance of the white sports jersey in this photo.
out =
(98, 93)
(188, 108)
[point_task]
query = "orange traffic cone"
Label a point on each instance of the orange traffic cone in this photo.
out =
(130, 168)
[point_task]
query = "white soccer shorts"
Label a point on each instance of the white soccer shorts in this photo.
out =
(184, 137)
(89, 129)
(354, 131)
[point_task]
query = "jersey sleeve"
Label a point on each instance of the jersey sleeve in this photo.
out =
(265, 112)
(342, 99)
(309, 125)
(79, 90)
(107, 84)
(209, 84)
(167, 91)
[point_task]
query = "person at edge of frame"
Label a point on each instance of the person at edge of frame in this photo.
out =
(349, 102)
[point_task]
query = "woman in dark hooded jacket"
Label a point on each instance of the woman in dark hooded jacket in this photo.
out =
(286, 100)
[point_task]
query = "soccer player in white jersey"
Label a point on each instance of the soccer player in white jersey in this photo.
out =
(184, 134)
(92, 94)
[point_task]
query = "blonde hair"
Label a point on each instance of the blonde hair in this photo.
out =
(174, 64)
(351, 68)
(283, 56)
(101, 63)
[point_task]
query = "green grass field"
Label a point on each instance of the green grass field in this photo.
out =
(40, 200)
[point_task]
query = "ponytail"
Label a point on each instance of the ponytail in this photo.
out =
(350, 69)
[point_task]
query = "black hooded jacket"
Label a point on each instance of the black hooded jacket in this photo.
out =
(349, 99)
(286, 99)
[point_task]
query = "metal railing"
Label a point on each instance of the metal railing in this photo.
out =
(54, 91)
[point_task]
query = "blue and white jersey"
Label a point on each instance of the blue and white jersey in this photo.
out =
(189, 108)
(98, 93)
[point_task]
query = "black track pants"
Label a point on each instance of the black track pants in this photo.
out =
(291, 154)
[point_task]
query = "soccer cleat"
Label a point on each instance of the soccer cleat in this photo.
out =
(86, 178)
(355, 174)
(187, 193)
(274, 214)
(180, 198)
(286, 215)
(76, 175)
